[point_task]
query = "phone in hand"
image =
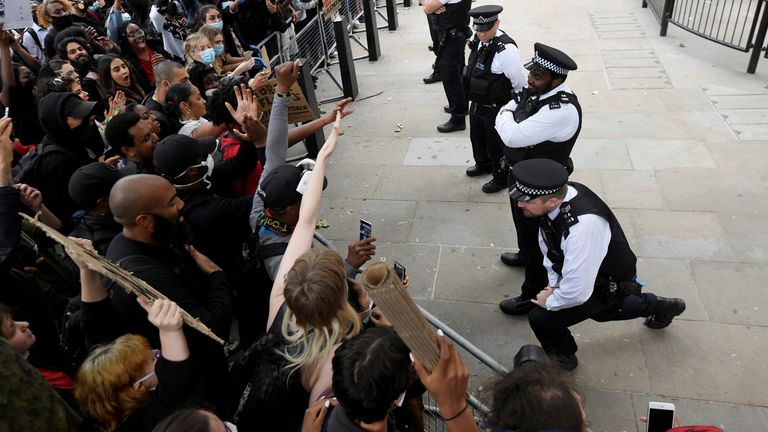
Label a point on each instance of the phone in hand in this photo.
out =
(365, 229)
(399, 270)
(661, 417)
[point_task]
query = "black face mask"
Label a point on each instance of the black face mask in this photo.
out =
(61, 22)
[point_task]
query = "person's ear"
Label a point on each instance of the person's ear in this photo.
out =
(127, 151)
(145, 221)
(165, 84)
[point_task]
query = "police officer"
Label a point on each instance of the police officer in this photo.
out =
(541, 121)
(494, 72)
(591, 269)
(452, 24)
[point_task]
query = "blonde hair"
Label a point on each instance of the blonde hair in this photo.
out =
(191, 44)
(42, 18)
(316, 296)
(211, 32)
(104, 387)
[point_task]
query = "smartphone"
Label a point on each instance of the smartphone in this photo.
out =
(661, 417)
(365, 229)
(400, 270)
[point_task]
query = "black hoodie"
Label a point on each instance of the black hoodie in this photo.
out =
(53, 169)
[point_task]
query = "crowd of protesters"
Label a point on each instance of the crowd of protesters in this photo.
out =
(134, 129)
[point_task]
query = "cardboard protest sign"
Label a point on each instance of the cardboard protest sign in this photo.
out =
(299, 110)
(15, 14)
(330, 9)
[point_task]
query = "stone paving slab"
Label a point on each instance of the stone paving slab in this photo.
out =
(461, 223)
(448, 151)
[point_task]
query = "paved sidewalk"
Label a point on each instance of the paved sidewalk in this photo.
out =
(675, 139)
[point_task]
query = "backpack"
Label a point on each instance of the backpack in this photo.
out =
(24, 171)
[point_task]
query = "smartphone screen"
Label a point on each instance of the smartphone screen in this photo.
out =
(399, 270)
(660, 420)
(365, 229)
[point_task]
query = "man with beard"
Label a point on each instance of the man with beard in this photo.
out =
(77, 51)
(153, 249)
(69, 134)
(541, 121)
(132, 138)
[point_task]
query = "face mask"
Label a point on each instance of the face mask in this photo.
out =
(218, 49)
(61, 22)
(208, 164)
(207, 56)
(225, 5)
(219, 25)
(126, 17)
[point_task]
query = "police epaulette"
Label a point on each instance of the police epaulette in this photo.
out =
(564, 97)
(569, 219)
(501, 47)
(554, 105)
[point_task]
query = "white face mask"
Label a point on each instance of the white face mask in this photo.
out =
(208, 164)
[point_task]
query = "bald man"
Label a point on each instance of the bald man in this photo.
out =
(149, 247)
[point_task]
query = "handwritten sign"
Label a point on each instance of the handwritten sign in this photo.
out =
(299, 110)
(15, 14)
(330, 9)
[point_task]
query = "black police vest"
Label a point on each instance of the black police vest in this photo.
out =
(557, 151)
(620, 263)
(486, 87)
(456, 16)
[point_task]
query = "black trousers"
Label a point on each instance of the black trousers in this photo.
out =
(527, 230)
(487, 147)
(451, 68)
(551, 327)
(435, 36)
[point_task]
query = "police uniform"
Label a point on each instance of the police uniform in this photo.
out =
(494, 72)
(588, 260)
(537, 126)
(452, 27)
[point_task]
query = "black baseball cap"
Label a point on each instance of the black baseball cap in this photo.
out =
(73, 106)
(174, 154)
(535, 178)
(278, 189)
(91, 182)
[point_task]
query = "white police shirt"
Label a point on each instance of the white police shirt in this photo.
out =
(584, 251)
(556, 125)
(508, 62)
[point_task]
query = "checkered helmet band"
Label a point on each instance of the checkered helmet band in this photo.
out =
(484, 20)
(534, 192)
(549, 65)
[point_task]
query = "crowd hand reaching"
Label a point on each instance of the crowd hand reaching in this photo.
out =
(245, 104)
(92, 290)
(449, 380)
(6, 145)
(331, 116)
(254, 131)
(85, 244)
(90, 34)
(286, 74)
(361, 251)
(113, 161)
(259, 81)
(314, 417)
(244, 67)
(379, 319)
(163, 314)
(116, 105)
(330, 143)
(30, 197)
(157, 58)
(6, 38)
(202, 261)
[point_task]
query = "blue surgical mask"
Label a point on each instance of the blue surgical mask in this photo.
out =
(218, 49)
(218, 25)
(207, 56)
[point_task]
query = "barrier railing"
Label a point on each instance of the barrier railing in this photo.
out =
(731, 23)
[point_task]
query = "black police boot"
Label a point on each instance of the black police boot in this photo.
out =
(494, 186)
(447, 109)
(432, 78)
(564, 362)
(478, 170)
(666, 310)
(513, 259)
(451, 127)
(519, 305)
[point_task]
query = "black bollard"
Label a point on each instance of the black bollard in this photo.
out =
(371, 30)
(312, 142)
(346, 61)
(392, 14)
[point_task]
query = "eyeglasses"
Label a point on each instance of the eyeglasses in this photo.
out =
(137, 33)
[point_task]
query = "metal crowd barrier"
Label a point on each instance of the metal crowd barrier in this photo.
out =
(731, 23)
(433, 422)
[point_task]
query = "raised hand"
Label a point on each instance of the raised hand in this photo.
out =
(163, 314)
(286, 74)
